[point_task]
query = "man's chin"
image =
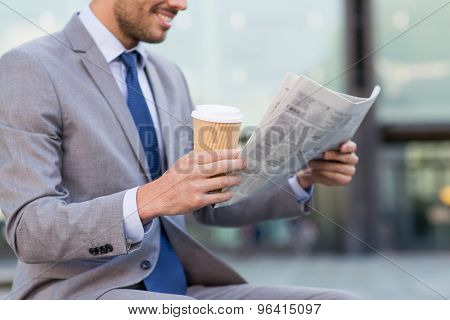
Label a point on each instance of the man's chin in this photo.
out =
(155, 39)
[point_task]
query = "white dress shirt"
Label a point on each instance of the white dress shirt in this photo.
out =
(112, 48)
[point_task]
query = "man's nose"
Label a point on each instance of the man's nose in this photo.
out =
(180, 5)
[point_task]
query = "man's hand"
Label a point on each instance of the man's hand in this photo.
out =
(185, 187)
(336, 169)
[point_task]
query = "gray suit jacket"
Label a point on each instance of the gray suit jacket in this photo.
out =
(70, 150)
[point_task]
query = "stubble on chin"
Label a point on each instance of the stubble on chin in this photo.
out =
(135, 23)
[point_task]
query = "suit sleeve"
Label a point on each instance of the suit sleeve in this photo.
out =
(278, 202)
(42, 223)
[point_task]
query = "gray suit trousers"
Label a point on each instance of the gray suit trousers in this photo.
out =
(234, 292)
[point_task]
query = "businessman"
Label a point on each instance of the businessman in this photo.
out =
(97, 173)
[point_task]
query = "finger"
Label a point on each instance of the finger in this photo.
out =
(213, 156)
(213, 198)
(332, 178)
(306, 172)
(348, 147)
(348, 158)
(330, 166)
(221, 182)
(223, 166)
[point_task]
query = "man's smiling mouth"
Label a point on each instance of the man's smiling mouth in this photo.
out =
(165, 17)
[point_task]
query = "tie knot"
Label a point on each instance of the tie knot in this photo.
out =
(129, 59)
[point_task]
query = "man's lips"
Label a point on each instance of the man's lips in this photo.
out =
(165, 17)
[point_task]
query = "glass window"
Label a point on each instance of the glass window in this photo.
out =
(415, 195)
(44, 17)
(414, 70)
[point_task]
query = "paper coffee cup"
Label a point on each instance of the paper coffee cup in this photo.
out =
(216, 127)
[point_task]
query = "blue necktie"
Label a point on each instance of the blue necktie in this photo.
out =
(168, 275)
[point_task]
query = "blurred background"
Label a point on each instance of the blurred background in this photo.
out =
(387, 236)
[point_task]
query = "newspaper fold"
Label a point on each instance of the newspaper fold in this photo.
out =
(303, 121)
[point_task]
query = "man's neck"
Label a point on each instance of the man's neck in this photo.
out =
(104, 12)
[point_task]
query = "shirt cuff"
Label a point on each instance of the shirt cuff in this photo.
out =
(301, 194)
(134, 231)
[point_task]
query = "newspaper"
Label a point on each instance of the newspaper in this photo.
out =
(303, 121)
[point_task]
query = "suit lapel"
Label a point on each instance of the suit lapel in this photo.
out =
(98, 69)
(107, 85)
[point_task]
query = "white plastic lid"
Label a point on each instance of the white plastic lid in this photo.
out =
(216, 113)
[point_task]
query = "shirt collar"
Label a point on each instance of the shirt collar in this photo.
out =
(109, 45)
